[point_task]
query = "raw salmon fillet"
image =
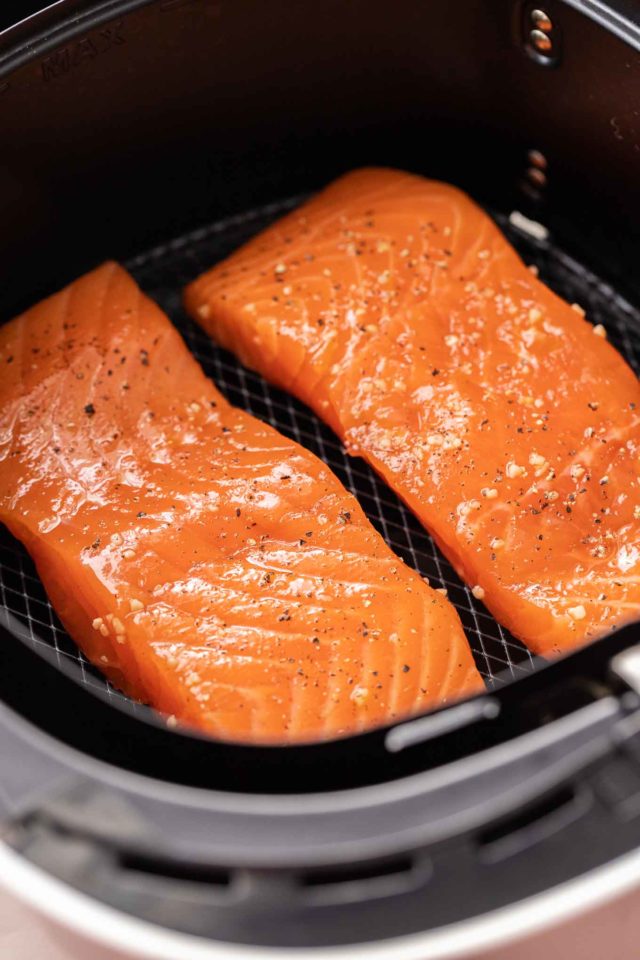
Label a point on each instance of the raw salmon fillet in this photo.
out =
(396, 309)
(208, 565)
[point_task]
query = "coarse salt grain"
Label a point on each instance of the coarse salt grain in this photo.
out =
(97, 623)
(128, 554)
(497, 543)
(478, 592)
(135, 605)
(600, 331)
(577, 613)
(578, 309)
(204, 310)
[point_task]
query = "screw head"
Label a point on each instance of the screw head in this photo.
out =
(541, 20)
(537, 159)
(540, 41)
(536, 177)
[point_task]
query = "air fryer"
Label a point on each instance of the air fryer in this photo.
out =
(164, 133)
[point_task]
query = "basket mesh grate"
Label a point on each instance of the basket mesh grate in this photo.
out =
(162, 272)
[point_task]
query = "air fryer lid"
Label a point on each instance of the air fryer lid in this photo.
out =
(127, 123)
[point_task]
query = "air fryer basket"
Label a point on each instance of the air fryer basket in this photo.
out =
(164, 134)
(162, 272)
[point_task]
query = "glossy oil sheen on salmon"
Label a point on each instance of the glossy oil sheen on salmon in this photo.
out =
(208, 565)
(397, 310)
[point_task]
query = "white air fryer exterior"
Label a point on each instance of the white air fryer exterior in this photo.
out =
(591, 918)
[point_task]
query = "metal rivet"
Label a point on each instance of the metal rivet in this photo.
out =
(537, 177)
(537, 159)
(540, 41)
(541, 20)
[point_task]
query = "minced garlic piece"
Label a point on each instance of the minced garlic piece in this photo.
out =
(360, 695)
(515, 470)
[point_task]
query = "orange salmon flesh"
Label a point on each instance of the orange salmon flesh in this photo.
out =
(208, 565)
(396, 309)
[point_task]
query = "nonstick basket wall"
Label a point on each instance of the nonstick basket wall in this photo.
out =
(162, 272)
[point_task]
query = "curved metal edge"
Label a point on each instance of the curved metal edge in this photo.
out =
(56, 23)
(607, 16)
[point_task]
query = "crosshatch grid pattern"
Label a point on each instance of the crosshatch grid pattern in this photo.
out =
(162, 272)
